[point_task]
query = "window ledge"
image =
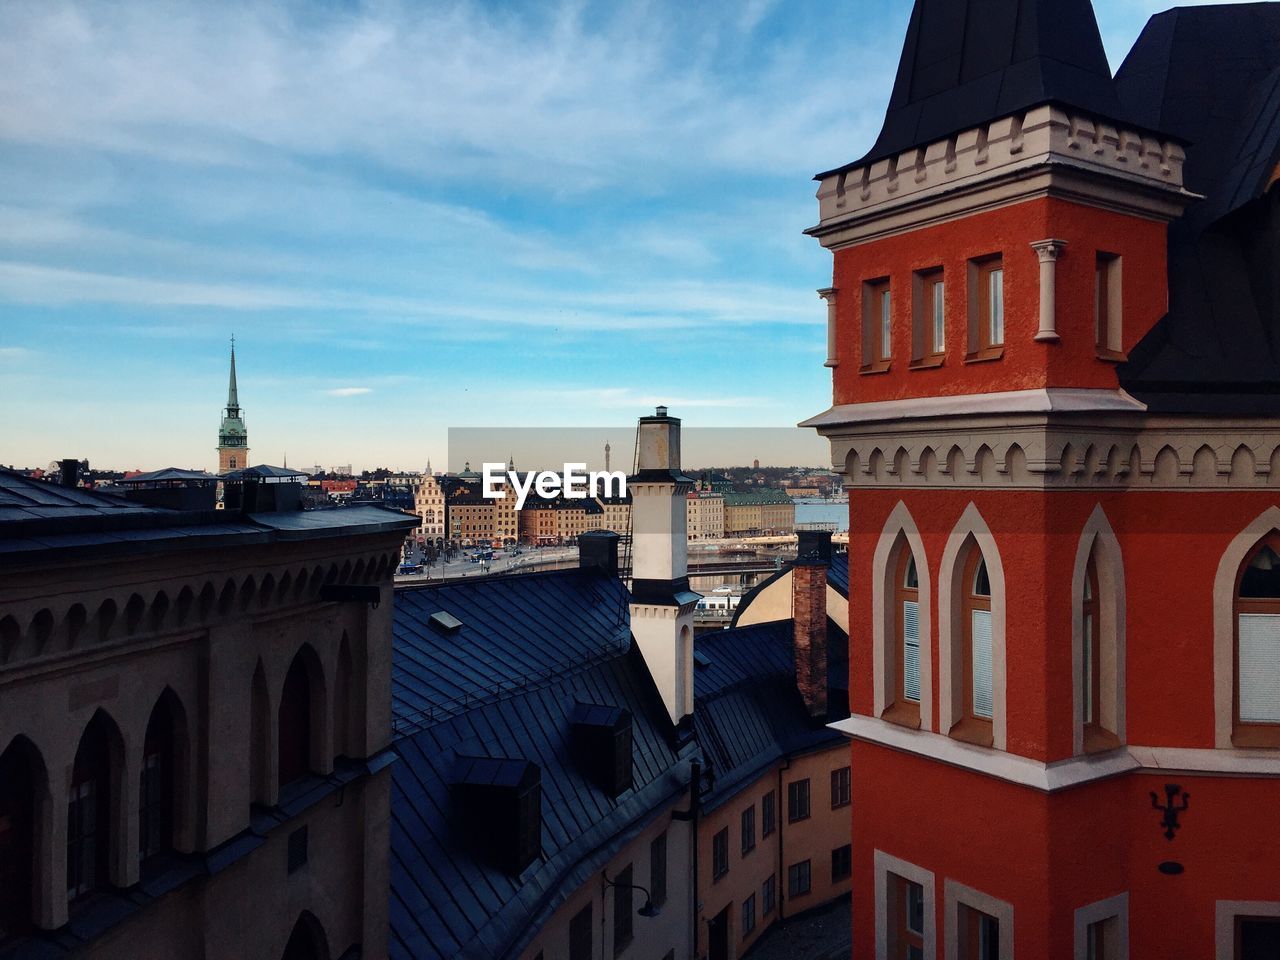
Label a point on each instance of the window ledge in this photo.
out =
(903, 714)
(929, 362)
(985, 355)
(880, 366)
(1099, 740)
(1112, 356)
(1265, 736)
(974, 731)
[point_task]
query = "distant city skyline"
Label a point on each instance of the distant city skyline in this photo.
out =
(418, 216)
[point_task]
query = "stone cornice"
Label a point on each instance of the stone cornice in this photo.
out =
(1061, 774)
(1041, 151)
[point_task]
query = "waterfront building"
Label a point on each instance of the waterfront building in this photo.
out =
(1052, 336)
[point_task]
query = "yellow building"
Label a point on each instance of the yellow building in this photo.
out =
(705, 515)
(766, 512)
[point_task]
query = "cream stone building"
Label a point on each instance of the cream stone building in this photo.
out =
(428, 504)
(194, 725)
(705, 512)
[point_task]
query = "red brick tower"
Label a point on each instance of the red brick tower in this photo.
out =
(1063, 480)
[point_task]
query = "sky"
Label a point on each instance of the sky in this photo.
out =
(416, 216)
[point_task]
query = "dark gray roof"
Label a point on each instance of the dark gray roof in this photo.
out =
(506, 684)
(265, 471)
(967, 62)
(39, 518)
(169, 475)
(1211, 75)
(748, 714)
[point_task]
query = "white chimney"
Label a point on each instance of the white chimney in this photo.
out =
(661, 602)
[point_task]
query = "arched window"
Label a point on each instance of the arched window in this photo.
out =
(976, 634)
(295, 724)
(18, 772)
(1257, 647)
(89, 812)
(307, 941)
(905, 708)
(157, 794)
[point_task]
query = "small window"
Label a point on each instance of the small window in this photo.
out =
(748, 915)
(658, 869)
(1107, 329)
(928, 319)
(906, 919)
(623, 911)
(979, 935)
(986, 309)
(1257, 938)
(799, 879)
(798, 800)
(840, 788)
(720, 854)
(748, 830)
(768, 813)
(905, 708)
(1257, 685)
(768, 895)
(841, 863)
(975, 616)
(581, 932)
(877, 326)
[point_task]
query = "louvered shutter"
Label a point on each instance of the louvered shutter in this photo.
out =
(1259, 668)
(911, 649)
(981, 627)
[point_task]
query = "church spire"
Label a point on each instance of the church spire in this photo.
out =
(233, 400)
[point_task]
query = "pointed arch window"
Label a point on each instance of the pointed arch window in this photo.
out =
(17, 839)
(295, 724)
(905, 708)
(88, 813)
(156, 793)
(978, 706)
(1257, 648)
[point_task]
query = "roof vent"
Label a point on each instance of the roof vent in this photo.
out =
(499, 801)
(445, 622)
(601, 744)
(700, 659)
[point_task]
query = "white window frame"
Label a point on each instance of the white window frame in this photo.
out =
(1225, 913)
(1099, 540)
(886, 864)
(950, 628)
(900, 524)
(1117, 908)
(954, 895)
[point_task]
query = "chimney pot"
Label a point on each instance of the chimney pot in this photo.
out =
(598, 549)
(70, 472)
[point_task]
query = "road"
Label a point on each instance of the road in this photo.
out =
(503, 562)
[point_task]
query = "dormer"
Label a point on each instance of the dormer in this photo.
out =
(499, 804)
(1007, 231)
(601, 743)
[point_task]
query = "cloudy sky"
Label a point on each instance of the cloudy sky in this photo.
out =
(416, 216)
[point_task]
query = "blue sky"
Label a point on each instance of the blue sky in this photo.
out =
(416, 216)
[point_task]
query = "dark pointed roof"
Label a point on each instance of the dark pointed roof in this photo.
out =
(1211, 76)
(967, 62)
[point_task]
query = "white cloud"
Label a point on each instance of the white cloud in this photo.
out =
(349, 391)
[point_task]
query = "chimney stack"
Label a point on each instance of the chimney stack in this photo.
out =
(70, 472)
(809, 616)
(598, 549)
(661, 602)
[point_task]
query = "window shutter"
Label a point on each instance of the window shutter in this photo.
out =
(911, 649)
(982, 664)
(1259, 668)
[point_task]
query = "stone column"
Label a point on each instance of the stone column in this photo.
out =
(829, 294)
(1048, 252)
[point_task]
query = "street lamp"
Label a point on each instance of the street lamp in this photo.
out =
(648, 910)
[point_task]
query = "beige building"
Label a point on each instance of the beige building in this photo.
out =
(616, 515)
(705, 514)
(428, 504)
(763, 513)
(774, 836)
(194, 726)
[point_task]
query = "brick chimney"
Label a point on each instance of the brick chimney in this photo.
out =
(809, 617)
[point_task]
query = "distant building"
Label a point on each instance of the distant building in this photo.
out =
(233, 435)
(759, 513)
(705, 513)
(429, 505)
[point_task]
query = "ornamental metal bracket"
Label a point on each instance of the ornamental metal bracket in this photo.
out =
(1170, 808)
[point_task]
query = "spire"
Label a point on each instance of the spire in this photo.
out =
(968, 62)
(233, 400)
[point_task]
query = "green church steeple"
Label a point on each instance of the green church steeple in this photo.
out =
(233, 435)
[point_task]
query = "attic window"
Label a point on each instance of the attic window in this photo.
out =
(444, 622)
(499, 800)
(602, 745)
